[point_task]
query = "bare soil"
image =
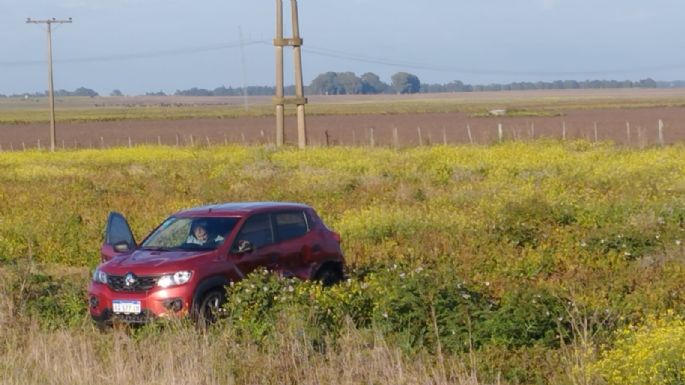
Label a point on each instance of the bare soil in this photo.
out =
(434, 128)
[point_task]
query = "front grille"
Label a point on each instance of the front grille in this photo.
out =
(118, 283)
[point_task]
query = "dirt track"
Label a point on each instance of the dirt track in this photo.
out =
(351, 130)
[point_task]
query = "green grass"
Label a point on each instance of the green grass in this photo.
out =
(519, 261)
(14, 111)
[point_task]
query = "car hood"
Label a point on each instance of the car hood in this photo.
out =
(151, 259)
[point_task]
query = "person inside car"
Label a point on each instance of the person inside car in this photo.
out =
(200, 236)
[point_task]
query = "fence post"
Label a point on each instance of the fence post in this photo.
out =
(395, 138)
(354, 137)
(130, 143)
(532, 130)
(192, 141)
(242, 137)
(468, 131)
(39, 145)
(372, 138)
(628, 132)
(596, 133)
(500, 133)
(661, 133)
(209, 144)
(563, 130)
(418, 130)
(444, 136)
(159, 140)
(328, 138)
(63, 146)
(102, 142)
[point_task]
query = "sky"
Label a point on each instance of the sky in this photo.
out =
(138, 46)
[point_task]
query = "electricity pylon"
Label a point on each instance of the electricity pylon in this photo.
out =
(280, 100)
(51, 93)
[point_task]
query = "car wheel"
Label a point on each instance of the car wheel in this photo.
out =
(329, 275)
(211, 306)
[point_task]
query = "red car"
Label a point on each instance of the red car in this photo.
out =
(184, 265)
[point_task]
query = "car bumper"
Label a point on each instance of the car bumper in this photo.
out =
(158, 303)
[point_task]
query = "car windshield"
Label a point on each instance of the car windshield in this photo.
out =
(190, 234)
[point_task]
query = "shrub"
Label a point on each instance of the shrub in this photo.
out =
(528, 316)
(416, 308)
(56, 302)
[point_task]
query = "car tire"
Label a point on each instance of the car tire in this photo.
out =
(329, 275)
(210, 307)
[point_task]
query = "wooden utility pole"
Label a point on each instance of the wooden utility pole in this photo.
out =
(51, 93)
(280, 100)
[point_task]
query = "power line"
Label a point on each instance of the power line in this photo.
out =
(352, 57)
(325, 52)
(136, 55)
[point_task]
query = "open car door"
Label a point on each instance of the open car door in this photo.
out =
(118, 237)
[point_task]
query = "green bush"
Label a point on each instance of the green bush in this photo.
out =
(527, 317)
(56, 302)
(415, 308)
(256, 303)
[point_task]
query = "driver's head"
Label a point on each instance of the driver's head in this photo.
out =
(200, 230)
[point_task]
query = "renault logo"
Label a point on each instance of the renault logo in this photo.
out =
(130, 280)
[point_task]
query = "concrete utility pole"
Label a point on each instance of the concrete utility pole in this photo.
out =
(280, 100)
(51, 93)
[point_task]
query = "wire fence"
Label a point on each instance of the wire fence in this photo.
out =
(658, 134)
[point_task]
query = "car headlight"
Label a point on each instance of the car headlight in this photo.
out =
(178, 278)
(100, 276)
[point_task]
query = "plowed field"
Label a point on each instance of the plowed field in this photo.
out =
(635, 126)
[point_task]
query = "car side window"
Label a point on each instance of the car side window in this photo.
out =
(291, 225)
(257, 230)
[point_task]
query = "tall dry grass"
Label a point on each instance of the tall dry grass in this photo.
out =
(178, 353)
(29, 355)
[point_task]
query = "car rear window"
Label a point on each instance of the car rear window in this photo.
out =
(291, 225)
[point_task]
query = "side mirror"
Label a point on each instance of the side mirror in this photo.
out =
(122, 247)
(244, 247)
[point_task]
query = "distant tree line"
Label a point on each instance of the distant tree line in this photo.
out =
(81, 91)
(348, 83)
(671, 84)
(230, 91)
(458, 86)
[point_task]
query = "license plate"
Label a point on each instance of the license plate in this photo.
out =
(126, 307)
